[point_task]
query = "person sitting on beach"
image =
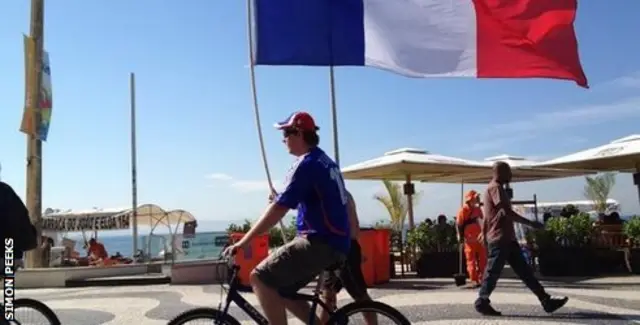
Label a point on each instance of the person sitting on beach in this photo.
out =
(97, 253)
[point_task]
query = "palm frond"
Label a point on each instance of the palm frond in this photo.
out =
(395, 202)
(598, 188)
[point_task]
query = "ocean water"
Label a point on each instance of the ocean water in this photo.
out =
(122, 244)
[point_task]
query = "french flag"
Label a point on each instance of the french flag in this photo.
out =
(423, 38)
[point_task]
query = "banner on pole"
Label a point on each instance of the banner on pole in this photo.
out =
(44, 105)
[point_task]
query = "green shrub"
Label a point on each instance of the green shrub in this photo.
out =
(245, 227)
(575, 231)
(631, 229)
(433, 238)
(422, 237)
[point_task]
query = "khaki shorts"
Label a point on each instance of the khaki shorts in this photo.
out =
(292, 266)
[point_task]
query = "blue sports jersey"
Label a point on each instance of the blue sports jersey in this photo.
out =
(316, 189)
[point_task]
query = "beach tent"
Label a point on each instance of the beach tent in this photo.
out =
(112, 219)
(155, 216)
(622, 155)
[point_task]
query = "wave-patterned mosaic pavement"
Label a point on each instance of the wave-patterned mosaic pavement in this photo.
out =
(422, 301)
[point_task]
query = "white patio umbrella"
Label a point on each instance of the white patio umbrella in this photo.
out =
(416, 163)
(407, 164)
(524, 170)
(622, 155)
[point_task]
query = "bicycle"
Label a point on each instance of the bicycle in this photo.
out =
(339, 316)
(26, 303)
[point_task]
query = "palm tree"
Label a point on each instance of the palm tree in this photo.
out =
(598, 189)
(395, 202)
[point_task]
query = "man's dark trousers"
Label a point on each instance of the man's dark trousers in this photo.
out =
(501, 253)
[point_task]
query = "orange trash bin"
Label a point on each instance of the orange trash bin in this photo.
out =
(382, 256)
(367, 243)
(248, 258)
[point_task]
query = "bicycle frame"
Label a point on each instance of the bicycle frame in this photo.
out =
(235, 297)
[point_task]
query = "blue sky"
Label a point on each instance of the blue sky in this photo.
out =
(195, 114)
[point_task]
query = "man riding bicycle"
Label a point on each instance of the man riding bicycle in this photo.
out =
(316, 189)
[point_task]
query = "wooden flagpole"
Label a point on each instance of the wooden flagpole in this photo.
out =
(34, 145)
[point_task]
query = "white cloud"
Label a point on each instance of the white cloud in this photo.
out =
(219, 176)
(629, 81)
(242, 185)
(531, 127)
(576, 117)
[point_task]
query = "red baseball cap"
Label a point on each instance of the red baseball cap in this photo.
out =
(298, 120)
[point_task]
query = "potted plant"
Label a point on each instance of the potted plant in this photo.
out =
(631, 229)
(564, 246)
(582, 253)
(548, 241)
(437, 250)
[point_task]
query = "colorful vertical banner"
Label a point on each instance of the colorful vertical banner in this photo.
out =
(45, 100)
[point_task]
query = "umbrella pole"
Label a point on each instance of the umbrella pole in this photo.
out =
(636, 179)
(409, 190)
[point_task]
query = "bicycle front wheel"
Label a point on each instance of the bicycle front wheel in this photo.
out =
(204, 316)
(361, 312)
(31, 311)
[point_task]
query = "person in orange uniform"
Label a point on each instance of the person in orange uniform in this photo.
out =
(469, 228)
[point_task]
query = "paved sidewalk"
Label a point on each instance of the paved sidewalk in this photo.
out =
(430, 301)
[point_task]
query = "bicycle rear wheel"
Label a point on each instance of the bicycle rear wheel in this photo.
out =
(354, 312)
(204, 316)
(25, 309)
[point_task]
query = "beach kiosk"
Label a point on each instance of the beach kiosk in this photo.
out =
(58, 223)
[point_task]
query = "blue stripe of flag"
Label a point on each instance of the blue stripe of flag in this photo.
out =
(309, 32)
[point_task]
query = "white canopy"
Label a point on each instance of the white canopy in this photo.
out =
(155, 215)
(620, 155)
(523, 170)
(419, 164)
(423, 166)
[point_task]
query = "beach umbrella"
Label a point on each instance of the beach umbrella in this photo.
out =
(621, 155)
(524, 170)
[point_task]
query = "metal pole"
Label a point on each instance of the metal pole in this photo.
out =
(535, 207)
(334, 115)
(134, 163)
(34, 145)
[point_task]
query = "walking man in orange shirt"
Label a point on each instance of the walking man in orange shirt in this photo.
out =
(469, 228)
